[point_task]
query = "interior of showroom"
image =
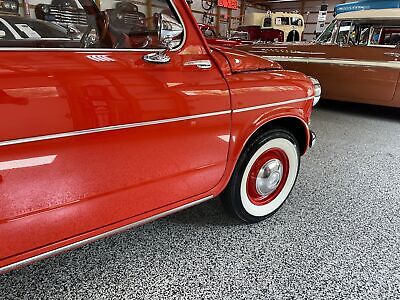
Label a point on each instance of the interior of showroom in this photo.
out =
(225, 19)
(199, 149)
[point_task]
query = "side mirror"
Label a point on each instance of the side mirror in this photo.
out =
(2, 34)
(168, 29)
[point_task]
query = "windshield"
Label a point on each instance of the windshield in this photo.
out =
(326, 35)
(267, 22)
(295, 21)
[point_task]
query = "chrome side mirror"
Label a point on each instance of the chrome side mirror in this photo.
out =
(168, 29)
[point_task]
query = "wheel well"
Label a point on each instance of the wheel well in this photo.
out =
(293, 125)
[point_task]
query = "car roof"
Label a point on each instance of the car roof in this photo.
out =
(381, 14)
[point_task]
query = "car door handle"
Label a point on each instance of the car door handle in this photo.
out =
(393, 54)
(201, 64)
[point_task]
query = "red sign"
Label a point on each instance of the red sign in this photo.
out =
(233, 4)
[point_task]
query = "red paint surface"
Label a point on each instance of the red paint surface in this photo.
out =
(60, 191)
(240, 61)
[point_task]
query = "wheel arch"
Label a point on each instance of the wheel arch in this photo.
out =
(293, 124)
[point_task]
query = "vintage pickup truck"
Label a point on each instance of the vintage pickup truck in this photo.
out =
(103, 137)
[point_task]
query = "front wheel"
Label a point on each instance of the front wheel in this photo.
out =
(264, 176)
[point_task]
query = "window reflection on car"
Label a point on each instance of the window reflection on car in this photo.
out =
(370, 33)
(17, 28)
(85, 24)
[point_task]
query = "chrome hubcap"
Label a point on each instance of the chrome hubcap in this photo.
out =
(269, 177)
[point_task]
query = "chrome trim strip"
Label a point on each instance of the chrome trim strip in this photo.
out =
(272, 104)
(83, 50)
(201, 64)
(100, 236)
(349, 62)
(109, 128)
(141, 124)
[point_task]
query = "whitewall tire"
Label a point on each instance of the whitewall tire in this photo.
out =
(264, 176)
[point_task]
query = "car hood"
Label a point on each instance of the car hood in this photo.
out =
(240, 61)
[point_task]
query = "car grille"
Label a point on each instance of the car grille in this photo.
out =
(64, 16)
(133, 19)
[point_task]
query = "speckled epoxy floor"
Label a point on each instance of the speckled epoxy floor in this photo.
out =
(337, 236)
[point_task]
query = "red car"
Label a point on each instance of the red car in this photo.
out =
(101, 138)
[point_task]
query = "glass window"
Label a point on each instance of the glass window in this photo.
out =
(364, 35)
(326, 36)
(353, 34)
(344, 32)
(375, 36)
(267, 22)
(295, 21)
(390, 36)
(281, 21)
(82, 24)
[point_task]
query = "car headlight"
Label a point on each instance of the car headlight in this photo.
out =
(7, 5)
(317, 90)
(14, 6)
(46, 9)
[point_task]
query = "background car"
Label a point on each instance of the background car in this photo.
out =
(356, 59)
(23, 31)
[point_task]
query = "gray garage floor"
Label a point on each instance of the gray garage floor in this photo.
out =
(337, 236)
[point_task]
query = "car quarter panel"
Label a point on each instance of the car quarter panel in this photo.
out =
(261, 97)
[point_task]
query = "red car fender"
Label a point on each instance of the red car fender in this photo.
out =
(237, 147)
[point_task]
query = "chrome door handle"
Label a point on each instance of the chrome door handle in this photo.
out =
(201, 64)
(393, 54)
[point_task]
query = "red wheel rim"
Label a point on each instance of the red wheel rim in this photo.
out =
(273, 154)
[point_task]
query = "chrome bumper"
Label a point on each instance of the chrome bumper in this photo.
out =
(313, 138)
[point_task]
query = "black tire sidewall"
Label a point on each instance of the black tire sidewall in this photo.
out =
(231, 196)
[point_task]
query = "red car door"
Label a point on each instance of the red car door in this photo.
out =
(90, 137)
